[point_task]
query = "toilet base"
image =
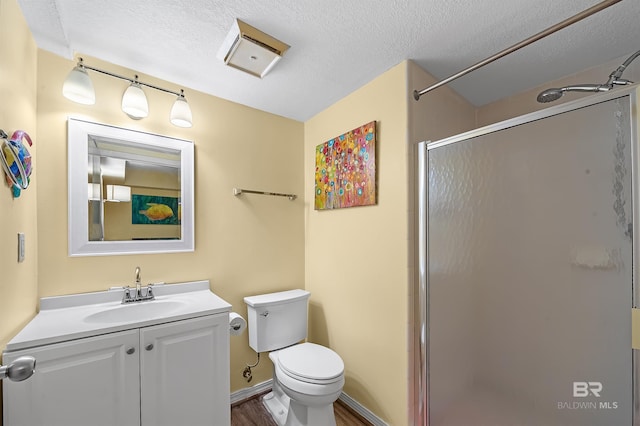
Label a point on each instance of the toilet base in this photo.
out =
(300, 414)
(287, 412)
(275, 407)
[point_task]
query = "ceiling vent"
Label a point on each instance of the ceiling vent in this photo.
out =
(250, 50)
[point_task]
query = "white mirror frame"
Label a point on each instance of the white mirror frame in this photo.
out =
(77, 147)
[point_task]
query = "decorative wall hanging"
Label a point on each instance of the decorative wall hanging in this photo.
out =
(155, 210)
(16, 160)
(345, 173)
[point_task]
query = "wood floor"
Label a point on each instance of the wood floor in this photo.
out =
(252, 413)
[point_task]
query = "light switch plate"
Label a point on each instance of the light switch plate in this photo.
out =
(20, 246)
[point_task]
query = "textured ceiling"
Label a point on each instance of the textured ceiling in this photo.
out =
(337, 45)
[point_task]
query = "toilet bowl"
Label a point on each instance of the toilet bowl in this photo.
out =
(307, 378)
(312, 377)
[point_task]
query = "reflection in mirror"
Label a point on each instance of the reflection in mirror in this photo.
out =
(137, 185)
(129, 191)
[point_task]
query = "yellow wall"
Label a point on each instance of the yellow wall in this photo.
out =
(355, 265)
(18, 281)
(244, 245)
(358, 259)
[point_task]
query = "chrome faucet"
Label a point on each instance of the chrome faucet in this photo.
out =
(138, 289)
(139, 294)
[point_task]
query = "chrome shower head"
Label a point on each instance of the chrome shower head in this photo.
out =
(615, 79)
(554, 94)
(550, 95)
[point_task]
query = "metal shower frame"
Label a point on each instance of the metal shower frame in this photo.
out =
(418, 388)
(421, 284)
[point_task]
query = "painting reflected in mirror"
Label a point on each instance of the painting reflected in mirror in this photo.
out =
(138, 190)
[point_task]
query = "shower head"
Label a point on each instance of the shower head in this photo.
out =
(554, 94)
(549, 95)
(615, 79)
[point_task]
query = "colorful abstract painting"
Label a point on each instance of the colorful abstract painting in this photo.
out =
(152, 209)
(345, 173)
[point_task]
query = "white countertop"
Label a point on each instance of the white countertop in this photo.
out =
(64, 318)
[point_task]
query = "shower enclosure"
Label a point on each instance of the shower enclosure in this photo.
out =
(527, 269)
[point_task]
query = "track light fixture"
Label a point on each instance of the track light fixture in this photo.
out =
(78, 88)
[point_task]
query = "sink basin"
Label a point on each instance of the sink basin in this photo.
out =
(76, 316)
(136, 311)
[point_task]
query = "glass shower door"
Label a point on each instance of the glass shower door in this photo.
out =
(529, 273)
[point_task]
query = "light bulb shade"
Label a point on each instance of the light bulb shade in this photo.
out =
(119, 193)
(134, 102)
(78, 87)
(181, 113)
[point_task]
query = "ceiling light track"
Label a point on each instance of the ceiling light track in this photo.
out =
(130, 80)
(79, 88)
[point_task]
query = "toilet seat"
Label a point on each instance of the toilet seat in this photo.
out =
(311, 363)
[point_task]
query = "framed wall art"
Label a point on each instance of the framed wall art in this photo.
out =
(345, 173)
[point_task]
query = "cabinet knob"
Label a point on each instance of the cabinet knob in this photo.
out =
(131, 351)
(149, 346)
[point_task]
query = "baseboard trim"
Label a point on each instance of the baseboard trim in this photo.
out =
(250, 392)
(362, 410)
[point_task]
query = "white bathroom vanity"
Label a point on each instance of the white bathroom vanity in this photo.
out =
(101, 362)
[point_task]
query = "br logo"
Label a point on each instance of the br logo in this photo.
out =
(584, 389)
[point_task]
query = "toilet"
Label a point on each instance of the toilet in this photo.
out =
(307, 378)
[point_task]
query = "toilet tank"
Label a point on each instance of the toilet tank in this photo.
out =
(277, 320)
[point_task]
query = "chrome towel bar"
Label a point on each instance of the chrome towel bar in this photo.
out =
(238, 191)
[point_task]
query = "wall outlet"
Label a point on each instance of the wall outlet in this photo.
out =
(20, 246)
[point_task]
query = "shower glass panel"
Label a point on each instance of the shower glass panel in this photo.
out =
(529, 273)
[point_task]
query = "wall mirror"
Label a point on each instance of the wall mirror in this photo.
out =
(130, 192)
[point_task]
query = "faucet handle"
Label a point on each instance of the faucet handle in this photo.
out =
(150, 294)
(126, 296)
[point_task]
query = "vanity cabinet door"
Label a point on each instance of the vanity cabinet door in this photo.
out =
(92, 381)
(184, 369)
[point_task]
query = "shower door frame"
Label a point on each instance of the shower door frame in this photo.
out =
(421, 243)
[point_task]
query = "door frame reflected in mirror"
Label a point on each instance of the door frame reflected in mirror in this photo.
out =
(78, 136)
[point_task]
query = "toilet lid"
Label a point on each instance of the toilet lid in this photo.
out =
(311, 361)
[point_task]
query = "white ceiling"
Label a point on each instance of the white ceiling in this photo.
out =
(337, 45)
